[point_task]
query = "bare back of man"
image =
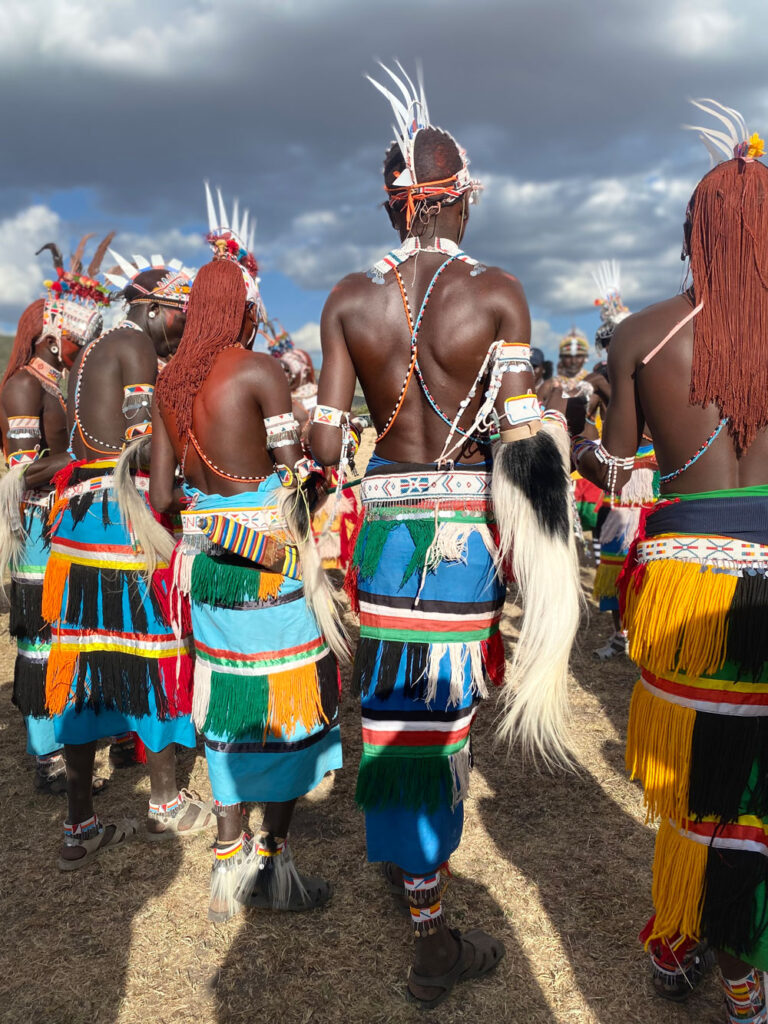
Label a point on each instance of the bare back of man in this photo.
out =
(463, 317)
(657, 395)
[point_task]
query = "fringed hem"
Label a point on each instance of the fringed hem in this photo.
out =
(659, 738)
(224, 584)
(679, 869)
(115, 681)
(606, 578)
(26, 620)
(377, 666)
(411, 782)
(226, 875)
(272, 705)
(29, 687)
(677, 617)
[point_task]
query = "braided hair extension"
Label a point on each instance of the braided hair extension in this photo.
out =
(29, 329)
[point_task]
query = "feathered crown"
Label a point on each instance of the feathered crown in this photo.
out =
(607, 277)
(734, 142)
(172, 289)
(574, 344)
(75, 299)
(411, 116)
(231, 239)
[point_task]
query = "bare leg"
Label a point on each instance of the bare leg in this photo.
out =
(79, 758)
(730, 967)
(162, 775)
(229, 822)
(277, 818)
(616, 620)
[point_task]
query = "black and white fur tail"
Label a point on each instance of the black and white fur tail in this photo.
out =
(13, 537)
(531, 491)
(149, 536)
(322, 600)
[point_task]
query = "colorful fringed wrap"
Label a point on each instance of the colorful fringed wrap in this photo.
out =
(266, 683)
(588, 497)
(26, 624)
(695, 600)
(423, 579)
(619, 527)
(334, 538)
(115, 664)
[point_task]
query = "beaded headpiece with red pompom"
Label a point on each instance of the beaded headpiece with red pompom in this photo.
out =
(75, 299)
(231, 239)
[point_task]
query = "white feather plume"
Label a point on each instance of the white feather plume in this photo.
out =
(720, 144)
(411, 114)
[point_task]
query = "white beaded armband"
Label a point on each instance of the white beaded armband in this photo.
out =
(522, 409)
(23, 428)
(514, 357)
(614, 464)
(282, 431)
(328, 415)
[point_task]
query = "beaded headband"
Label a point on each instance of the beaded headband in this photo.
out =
(574, 344)
(75, 299)
(172, 289)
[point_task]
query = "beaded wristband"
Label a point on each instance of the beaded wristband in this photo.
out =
(328, 415)
(555, 416)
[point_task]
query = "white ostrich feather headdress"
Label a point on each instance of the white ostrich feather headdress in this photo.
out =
(173, 287)
(734, 141)
(232, 239)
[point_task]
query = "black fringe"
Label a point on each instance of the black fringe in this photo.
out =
(83, 596)
(534, 466)
(365, 662)
(79, 506)
(724, 750)
(26, 619)
(389, 666)
(747, 644)
(29, 687)
(417, 656)
(85, 586)
(328, 682)
(113, 583)
(105, 509)
(119, 682)
(138, 611)
(729, 916)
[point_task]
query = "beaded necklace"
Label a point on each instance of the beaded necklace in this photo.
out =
(413, 366)
(412, 246)
(695, 458)
(105, 448)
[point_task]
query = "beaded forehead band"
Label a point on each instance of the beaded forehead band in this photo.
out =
(172, 289)
(411, 117)
(574, 344)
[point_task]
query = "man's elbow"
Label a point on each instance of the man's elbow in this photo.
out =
(325, 448)
(160, 499)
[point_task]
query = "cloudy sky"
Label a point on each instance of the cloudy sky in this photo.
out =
(570, 110)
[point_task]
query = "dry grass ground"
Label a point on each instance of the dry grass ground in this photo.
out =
(558, 866)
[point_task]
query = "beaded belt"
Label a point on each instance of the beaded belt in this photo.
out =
(265, 520)
(40, 499)
(426, 486)
(102, 483)
(720, 552)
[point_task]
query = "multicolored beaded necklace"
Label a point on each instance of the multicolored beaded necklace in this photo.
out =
(695, 458)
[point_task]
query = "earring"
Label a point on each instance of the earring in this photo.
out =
(54, 350)
(683, 254)
(151, 314)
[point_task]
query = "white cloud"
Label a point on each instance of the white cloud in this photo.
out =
(307, 337)
(545, 337)
(21, 273)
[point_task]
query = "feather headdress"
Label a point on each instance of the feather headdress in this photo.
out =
(173, 287)
(75, 299)
(735, 141)
(412, 116)
(607, 277)
(232, 239)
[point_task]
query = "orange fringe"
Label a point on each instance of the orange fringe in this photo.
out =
(679, 867)
(294, 698)
(62, 666)
(269, 584)
(677, 621)
(56, 576)
(659, 737)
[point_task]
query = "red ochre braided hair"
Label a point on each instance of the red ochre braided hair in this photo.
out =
(29, 329)
(729, 264)
(214, 322)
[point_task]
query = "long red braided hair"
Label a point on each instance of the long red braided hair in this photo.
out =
(214, 322)
(729, 263)
(29, 329)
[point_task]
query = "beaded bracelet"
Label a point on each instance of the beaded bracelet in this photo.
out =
(555, 416)
(614, 464)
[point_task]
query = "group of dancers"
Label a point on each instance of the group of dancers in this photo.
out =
(170, 522)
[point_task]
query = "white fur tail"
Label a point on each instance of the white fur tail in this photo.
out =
(534, 513)
(323, 602)
(13, 536)
(149, 536)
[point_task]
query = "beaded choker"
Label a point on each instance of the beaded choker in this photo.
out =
(411, 247)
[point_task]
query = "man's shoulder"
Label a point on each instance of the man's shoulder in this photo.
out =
(21, 384)
(647, 322)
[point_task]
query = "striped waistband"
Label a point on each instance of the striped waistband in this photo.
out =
(199, 521)
(706, 693)
(718, 552)
(101, 483)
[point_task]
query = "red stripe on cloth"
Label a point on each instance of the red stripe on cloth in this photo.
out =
(411, 622)
(689, 692)
(85, 546)
(394, 738)
(259, 655)
(744, 833)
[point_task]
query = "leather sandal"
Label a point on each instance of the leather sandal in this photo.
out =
(479, 954)
(110, 836)
(180, 822)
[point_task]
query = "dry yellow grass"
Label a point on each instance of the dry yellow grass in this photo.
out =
(558, 866)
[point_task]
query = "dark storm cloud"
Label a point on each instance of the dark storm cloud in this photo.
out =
(139, 101)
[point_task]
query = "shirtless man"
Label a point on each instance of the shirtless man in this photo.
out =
(695, 370)
(266, 692)
(115, 665)
(422, 574)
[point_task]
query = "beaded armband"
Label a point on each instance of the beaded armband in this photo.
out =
(329, 416)
(23, 458)
(555, 416)
(307, 467)
(143, 429)
(513, 357)
(282, 431)
(22, 428)
(614, 464)
(523, 416)
(135, 398)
